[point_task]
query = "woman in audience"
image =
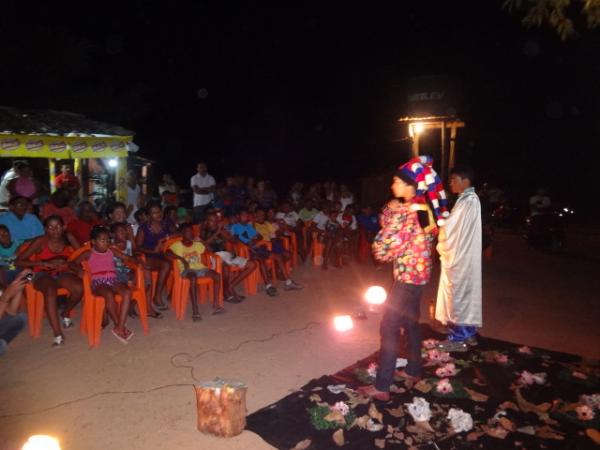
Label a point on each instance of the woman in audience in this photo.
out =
(48, 256)
(149, 240)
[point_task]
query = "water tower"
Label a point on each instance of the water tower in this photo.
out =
(433, 103)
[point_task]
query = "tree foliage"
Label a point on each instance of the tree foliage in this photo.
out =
(560, 15)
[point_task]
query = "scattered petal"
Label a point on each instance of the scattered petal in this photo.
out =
(336, 388)
(302, 445)
(419, 409)
(529, 429)
(476, 396)
(338, 437)
(594, 435)
(397, 412)
(380, 443)
(374, 413)
(546, 432)
(460, 420)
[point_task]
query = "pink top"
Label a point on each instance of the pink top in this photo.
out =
(25, 187)
(102, 265)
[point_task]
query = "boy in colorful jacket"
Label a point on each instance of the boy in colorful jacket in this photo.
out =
(408, 230)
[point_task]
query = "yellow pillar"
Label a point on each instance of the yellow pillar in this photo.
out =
(121, 180)
(52, 170)
(77, 169)
(452, 159)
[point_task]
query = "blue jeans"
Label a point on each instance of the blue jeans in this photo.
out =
(200, 212)
(402, 310)
(460, 333)
(10, 327)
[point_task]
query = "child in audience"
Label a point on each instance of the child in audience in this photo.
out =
(141, 217)
(270, 232)
(170, 217)
(8, 256)
(215, 236)
(289, 222)
(117, 213)
(188, 253)
(349, 232)
(105, 283)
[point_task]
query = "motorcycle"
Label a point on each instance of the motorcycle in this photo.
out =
(547, 231)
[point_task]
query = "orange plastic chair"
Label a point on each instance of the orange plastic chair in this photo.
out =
(154, 273)
(317, 249)
(181, 285)
(251, 281)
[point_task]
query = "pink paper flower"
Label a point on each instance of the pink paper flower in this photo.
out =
(501, 358)
(437, 356)
(580, 375)
(525, 350)
(593, 401)
(449, 370)
(430, 344)
(584, 412)
(341, 407)
(444, 386)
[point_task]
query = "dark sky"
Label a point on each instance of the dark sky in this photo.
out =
(311, 90)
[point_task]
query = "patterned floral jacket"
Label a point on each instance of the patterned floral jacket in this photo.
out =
(403, 241)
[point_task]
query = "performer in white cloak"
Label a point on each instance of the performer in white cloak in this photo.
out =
(459, 245)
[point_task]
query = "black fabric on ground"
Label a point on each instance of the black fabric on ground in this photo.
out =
(286, 422)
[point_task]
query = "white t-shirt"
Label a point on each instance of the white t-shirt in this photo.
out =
(291, 218)
(340, 220)
(539, 204)
(345, 201)
(171, 187)
(321, 220)
(200, 181)
(133, 196)
(6, 178)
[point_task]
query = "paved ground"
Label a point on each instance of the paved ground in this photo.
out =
(134, 397)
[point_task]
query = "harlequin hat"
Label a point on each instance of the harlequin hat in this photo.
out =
(419, 173)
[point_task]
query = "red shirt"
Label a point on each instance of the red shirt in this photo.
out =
(67, 214)
(66, 181)
(81, 229)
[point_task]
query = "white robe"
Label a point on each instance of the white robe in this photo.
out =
(459, 291)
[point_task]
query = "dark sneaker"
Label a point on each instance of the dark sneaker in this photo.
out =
(233, 299)
(452, 346)
(293, 286)
(271, 291)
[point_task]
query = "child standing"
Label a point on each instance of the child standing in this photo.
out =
(105, 282)
(188, 253)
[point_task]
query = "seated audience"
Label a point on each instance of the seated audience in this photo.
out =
(22, 225)
(188, 253)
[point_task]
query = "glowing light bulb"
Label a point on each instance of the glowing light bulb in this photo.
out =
(113, 163)
(343, 323)
(375, 295)
(41, 442)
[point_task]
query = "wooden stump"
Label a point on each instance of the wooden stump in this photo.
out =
(221, 407)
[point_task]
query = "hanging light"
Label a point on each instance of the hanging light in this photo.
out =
(41, 442)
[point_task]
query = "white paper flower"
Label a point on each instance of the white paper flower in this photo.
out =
(460, 420)
(372, 370)
(401, 362)
(593, 401)
(525, 350)
(336, 388)
(528, 378)
(419, 409)
(341, 407)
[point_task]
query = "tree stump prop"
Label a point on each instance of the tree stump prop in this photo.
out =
(221, 407)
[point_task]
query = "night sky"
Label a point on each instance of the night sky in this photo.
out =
(313, 91)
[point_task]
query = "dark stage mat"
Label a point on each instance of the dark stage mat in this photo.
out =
(517, 397)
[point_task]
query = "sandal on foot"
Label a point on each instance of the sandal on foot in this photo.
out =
(129, 334)
(66, 322)
(119, 337)
(156, 315)
(58, 341)
(196, 317)
(219, 310)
